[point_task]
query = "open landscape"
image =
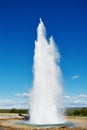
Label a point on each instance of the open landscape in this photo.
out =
(43, 64)
(10, 121)
(10, 124)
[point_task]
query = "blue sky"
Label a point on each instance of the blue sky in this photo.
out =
(66, 20)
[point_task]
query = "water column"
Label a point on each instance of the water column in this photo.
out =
(46, 98)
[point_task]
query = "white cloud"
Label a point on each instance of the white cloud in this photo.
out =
(5, 102)
(22, 94)
(76, 101)
(69, 101)
(75, 77)
(79, 103)
(67, 97)
(82, 96)
(14, 103)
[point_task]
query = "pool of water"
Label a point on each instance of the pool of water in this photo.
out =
(66, 124)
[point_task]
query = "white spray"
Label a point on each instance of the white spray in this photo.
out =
(46, 98)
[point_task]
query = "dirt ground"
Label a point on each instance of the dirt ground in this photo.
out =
(9, 124)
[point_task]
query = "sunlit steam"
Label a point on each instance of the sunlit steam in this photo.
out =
(46, 98)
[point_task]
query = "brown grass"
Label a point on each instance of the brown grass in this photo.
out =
(9, 124)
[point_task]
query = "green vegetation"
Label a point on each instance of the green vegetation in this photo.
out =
(22, 111)
(4, 110)
(69, 111)
(14, 110)
(76, 112)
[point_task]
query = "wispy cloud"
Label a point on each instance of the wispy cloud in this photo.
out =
(76, 101)
(69, 101)
(82, 96)
(7, 103)
(22, 94)
(75, 77)
(16, 102)
(67, 97)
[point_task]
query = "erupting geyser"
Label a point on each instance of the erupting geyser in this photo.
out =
(46, 98)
